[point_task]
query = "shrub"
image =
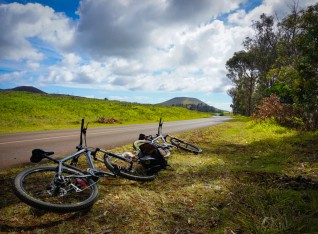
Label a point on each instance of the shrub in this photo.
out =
(107, 120)
(272, 108)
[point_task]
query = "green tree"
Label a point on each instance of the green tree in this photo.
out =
(248, 69)
(263, 47)
(295, 68)
(243, 74)
(281, 58)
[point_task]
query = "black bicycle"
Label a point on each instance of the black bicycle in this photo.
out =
(66, 187)
(166, 142)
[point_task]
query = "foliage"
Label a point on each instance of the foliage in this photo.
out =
(242, 72)
(285, 61)
(272, 107)
(199, 107)
(23, 111)
(107, 120)
(251, 178)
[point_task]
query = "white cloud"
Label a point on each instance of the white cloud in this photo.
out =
(276, 8)
(21, 23)
(157, 45)
(127, 28)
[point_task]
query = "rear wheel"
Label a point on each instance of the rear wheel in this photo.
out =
(41, 188)
(129, 168)
(185, 145)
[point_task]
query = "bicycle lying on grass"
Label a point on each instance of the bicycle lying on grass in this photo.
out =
(166, 142)
(67, 188)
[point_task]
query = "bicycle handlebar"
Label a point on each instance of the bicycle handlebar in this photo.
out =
(160, 127)
(83, 131)
(81, 135)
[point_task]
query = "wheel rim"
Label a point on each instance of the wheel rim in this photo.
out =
(136, 169)
(39, 185)
(185, 145)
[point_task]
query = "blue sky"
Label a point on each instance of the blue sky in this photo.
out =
(130, 50)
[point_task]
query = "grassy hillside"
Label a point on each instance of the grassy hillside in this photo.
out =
(251, 178)
(182, 101)
(23, 111)
(191, 104)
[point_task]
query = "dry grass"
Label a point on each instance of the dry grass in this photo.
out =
(246, 181)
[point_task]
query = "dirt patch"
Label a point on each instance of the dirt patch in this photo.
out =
(272, 180)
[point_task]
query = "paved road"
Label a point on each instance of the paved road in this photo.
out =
(15, 149)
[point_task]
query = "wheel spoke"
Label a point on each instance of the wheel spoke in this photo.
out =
(41, 188)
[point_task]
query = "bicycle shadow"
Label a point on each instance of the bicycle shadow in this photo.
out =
(11, 207)
(37, 214)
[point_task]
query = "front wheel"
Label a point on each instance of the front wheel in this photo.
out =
(129, 168)
(185, 145)
(41, 188)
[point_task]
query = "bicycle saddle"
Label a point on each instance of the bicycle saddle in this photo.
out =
(39, 154)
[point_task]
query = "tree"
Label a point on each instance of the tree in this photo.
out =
(281, 58)
(296, 66)
(243, 74)
(248, 69)
(264, 47)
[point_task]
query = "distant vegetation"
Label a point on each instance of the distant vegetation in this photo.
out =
(191, 104)
(25, 111)
(280, 59)
(30, 89)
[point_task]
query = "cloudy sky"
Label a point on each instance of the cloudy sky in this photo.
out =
(145, 51)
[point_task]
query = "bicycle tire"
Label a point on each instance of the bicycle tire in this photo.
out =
(33, 187)
(137, 142)
(122, 168)
(185, 145)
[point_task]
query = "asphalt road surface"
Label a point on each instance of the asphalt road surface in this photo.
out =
(16, 148)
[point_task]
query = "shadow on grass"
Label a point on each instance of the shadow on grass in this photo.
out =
(262, 186)
(8, 199)
(37, 214)
(273, 181)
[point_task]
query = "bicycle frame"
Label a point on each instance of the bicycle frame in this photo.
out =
(159, 137)
(90, 155)
(161, 141)
(69, 178)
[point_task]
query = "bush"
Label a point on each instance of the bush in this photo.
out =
(107, 120)
(272, 108)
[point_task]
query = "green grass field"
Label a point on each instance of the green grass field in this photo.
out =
(22, 111)
(251, 178)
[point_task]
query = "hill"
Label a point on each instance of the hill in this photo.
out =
(191, 104)
(30, 89)
(27, 111)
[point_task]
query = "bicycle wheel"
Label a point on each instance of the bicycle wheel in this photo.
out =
(125, 169)
(185, 145)
(39, 187)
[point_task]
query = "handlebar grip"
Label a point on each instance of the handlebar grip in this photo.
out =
(81, 135)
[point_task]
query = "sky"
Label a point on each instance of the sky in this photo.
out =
(145, 51)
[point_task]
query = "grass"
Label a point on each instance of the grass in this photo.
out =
(23, 111)
(251, 178)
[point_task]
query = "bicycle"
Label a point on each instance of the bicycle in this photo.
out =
(68, 188)
(166, 142)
